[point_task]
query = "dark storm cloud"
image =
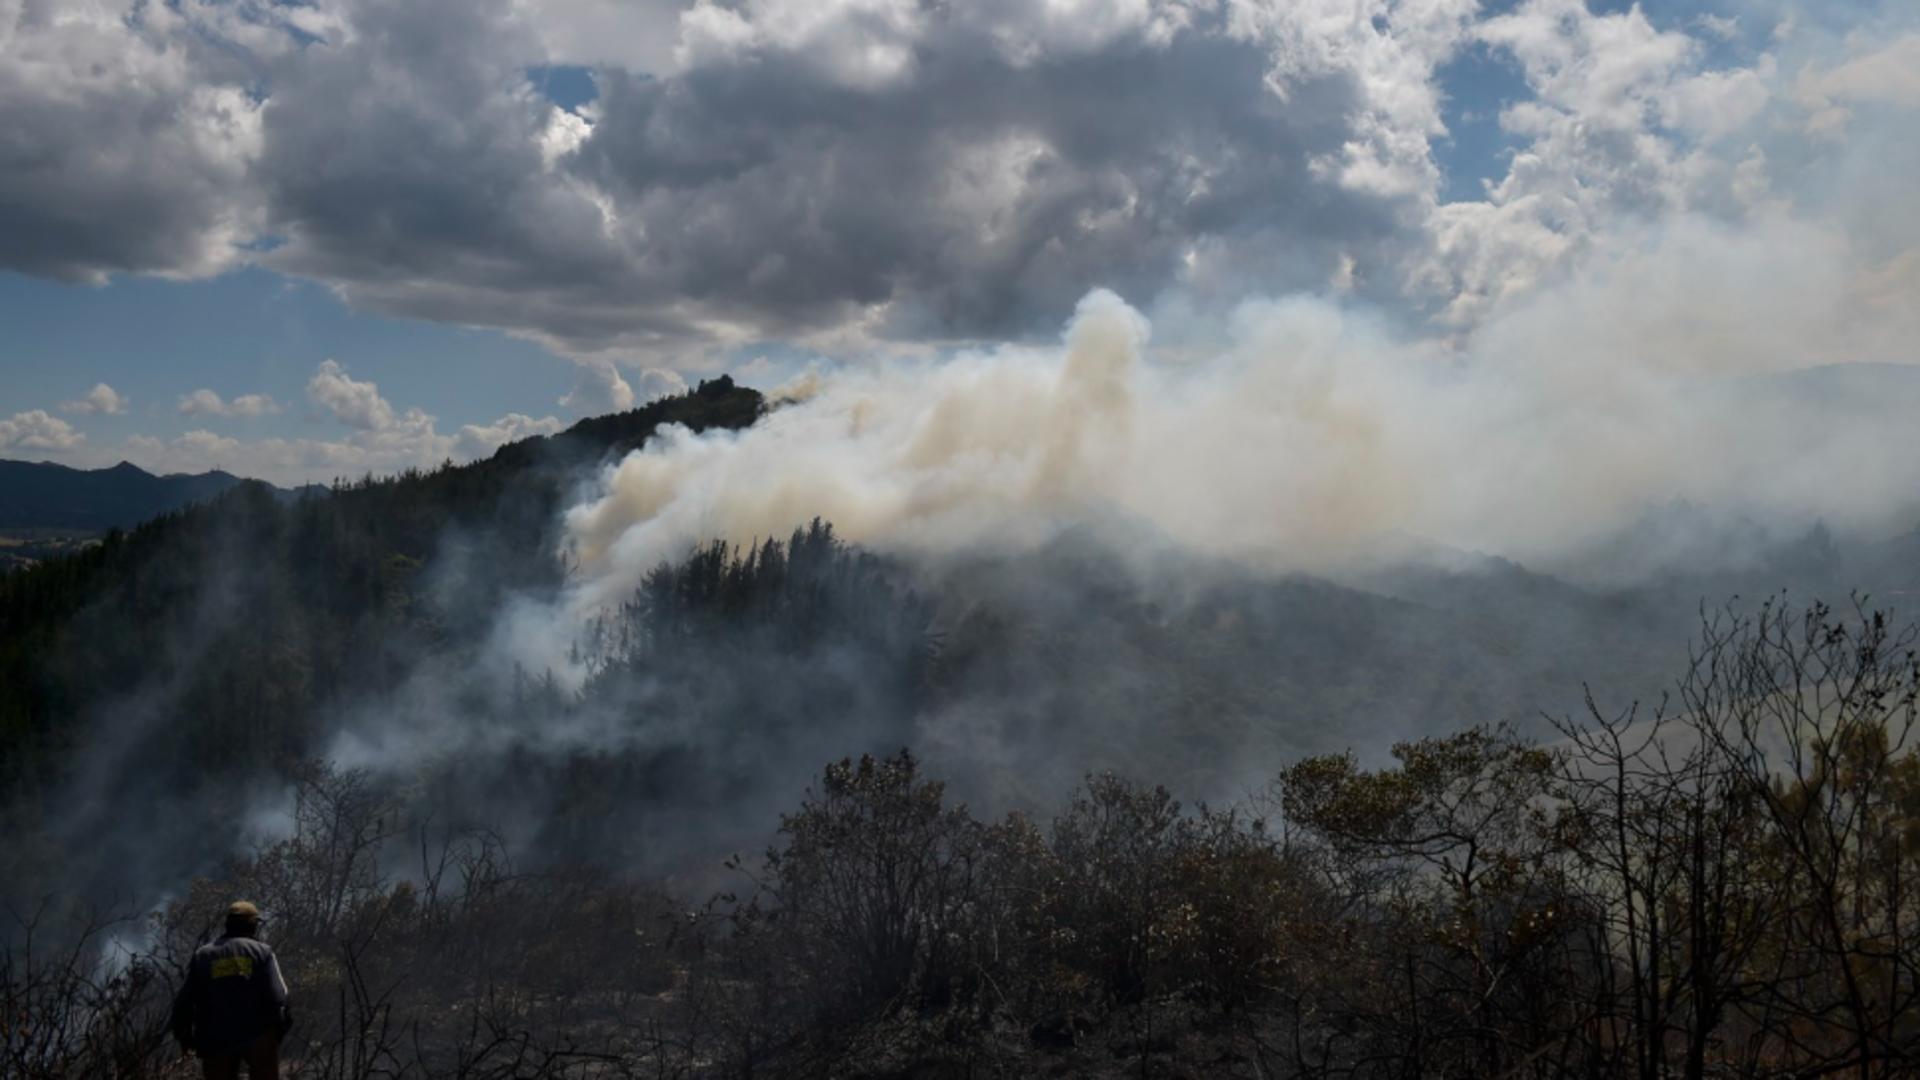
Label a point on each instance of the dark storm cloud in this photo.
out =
(964, 188)
(123, 146)
(977, 195)
(405, 167)
(763, 193)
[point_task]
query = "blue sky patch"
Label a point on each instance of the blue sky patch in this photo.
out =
(250, 332)
(566, 85)
(1478, 82)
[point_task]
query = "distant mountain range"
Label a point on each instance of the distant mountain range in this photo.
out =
(43, 495)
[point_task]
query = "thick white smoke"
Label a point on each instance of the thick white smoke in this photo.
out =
(1311, 438)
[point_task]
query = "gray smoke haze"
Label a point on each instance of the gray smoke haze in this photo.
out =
(1199, 535)
(1206, 547)
(1191, 561)
(1134, 558)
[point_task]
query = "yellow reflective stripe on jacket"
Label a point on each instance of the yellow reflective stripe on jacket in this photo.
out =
(233, 966)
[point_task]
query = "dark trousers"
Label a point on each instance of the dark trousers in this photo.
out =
(262, 1058)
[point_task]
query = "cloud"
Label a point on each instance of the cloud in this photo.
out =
(835, 171)
(867, 176)
(636, 34)
(202, 402)
(1024, 158)
(384, 438)
(1628, 123)
(207, 403)
(1724, 27)
(37, 429)
(206, 446)
(131, 134)
(660, 382)
(479, 440)
(101, 399)
(1888, 75)
(600, 389)
(380, 439)
(356, 404)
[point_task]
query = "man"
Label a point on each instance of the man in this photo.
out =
(234, 1005)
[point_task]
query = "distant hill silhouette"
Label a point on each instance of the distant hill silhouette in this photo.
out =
(43, 495)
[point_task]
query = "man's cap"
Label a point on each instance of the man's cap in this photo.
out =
(242, 909)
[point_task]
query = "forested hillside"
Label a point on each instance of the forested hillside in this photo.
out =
(177, 663)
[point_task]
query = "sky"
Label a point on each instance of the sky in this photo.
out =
(308, 240)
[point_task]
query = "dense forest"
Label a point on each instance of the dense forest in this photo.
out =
(1408, 842)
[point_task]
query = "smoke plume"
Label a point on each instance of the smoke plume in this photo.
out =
(1695, 366)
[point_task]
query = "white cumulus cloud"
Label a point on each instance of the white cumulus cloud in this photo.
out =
(101, 399)
(37, 429)
(1887, 75)
(479, 440)
(205, 402)
(354, 403)
(600, 389)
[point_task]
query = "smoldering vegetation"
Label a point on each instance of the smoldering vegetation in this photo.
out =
(1720, 886)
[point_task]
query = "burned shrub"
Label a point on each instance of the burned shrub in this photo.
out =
(873, 892)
